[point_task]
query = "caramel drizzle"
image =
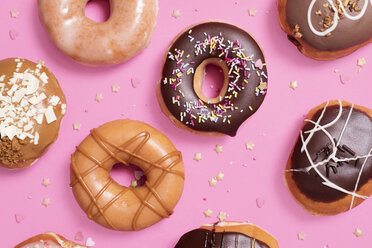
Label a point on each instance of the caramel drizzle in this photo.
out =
(105, 145)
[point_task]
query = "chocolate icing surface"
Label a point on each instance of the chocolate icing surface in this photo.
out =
(202, 238)
(348, 32)
(356, 141)
(243, 97)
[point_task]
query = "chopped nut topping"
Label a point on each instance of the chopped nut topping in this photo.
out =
(296, 31)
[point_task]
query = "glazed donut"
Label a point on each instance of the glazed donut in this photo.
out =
(330, 168)
(228, 234)
(126, 33)
(319, 33)
(180, 87)
(127, 208)
(48, 240)
(32, 106)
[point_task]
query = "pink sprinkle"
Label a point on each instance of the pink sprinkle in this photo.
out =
(254, 159)
(135, 82)
(344, 78)
(259, 64)
(13, 34)
(204, 198)
(19, 218)
(79, 236)
(260, 202)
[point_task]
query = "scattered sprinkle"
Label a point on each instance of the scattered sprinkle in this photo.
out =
(293, 85)
(46, 202)
(208, 213)
(19, 218)
(14, 13)
(46, 182)
(258, 64)
(249, 145)
(90, 242)
(99, 97)
(252, 12)
(222, 216)
(361, 62)
(197, 157)
(135, 82)
(231, 162)
(218, 149)
(358, 233)
(220, 176)
(134, 183)
(260, 202)
(301, 236)
(76, 125)
(176, 13)
(344, 78)
(335, 70)
(262, 86)
(13, 34)
(212, 182)
(115, 88)
(245, 165)
(79, 236)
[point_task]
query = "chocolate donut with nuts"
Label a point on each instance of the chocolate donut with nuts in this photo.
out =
(326, 29)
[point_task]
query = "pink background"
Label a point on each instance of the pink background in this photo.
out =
(273, 130)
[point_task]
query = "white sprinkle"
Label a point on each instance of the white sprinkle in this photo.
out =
(36, 139)
(44, 77)
(54, 100)
(49, 115)
(63, 109)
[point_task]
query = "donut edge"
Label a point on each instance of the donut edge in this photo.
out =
(322, 208)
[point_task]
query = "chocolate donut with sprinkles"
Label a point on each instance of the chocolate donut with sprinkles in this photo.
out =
(245, 78)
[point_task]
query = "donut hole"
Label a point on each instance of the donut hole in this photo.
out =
(211, 80)
(98, 10)
(124, 175)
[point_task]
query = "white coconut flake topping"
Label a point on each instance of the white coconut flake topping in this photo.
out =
(23, 103)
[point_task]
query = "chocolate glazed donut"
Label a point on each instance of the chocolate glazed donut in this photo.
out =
(319, 33)
(330, 169)
(226, 235)
(245, 83)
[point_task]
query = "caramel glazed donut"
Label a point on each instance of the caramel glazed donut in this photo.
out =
(245, 84)
(48, 240)
(226, 235)
(127, 208)
(126, 33)
(330, 168)
(32, 106)
(326, 29)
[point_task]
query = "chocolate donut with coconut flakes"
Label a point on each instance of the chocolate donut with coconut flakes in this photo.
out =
(245, 78)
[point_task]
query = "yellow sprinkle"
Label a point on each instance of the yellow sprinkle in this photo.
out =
(188, 56)
(258, 74)
(246, 81)
(250, 108)
(228, 121)
(221, 54)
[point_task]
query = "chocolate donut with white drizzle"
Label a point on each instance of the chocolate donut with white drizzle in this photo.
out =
(330, 169)
(245, 83)
(326, 29)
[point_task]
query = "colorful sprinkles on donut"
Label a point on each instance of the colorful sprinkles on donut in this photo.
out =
(244, 67)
